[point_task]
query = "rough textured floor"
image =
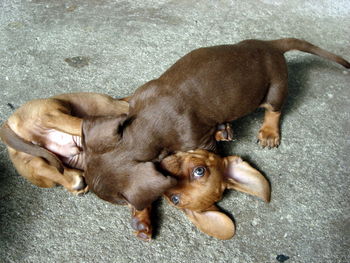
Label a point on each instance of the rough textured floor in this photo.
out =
(123, 44)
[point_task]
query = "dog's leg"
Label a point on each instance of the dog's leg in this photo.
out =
(269, 133)
(141, 223)
(23, 165)
(77, 178)
(63, 122)
(224, 132)
(45, 175)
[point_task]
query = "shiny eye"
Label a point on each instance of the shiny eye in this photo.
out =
(199, 171)
(175, 199)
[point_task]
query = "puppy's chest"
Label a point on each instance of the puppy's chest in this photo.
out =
(60, 143)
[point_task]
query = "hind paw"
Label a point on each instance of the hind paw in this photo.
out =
(269, 137)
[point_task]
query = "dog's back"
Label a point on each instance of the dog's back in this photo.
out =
(214, 85)
(87, 104)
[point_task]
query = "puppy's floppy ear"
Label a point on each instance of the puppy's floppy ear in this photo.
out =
(240, 176)
(101, 133)
(212, 222)
(146, 184)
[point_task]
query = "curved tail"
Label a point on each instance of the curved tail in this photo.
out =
(287, 44)
(10, 138)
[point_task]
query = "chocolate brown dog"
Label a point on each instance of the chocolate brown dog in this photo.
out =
(202, 179)
(44, 141)
(181, 109)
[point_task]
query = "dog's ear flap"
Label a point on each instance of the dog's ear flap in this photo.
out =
(101, 133)
(240, 176)
(212, 222)
(146, 184)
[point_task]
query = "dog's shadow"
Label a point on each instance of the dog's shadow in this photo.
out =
(16, 215)
(157, 217)
(298, 75)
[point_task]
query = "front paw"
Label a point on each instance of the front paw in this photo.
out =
(143, 230)
(224, 133)
(269, 137)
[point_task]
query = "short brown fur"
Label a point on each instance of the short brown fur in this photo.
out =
(43, 138)
(182, 109)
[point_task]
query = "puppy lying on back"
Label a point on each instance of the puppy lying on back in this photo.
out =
(44, 141)
(202, 178)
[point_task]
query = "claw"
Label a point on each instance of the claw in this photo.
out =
(224, 132)
(143, 236)
(268, 137)
(140, 222)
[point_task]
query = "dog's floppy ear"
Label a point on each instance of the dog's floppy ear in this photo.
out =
(146, 184)
(212, 222)
(240, 176)
(101, 133)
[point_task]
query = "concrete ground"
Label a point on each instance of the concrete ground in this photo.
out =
(123, 44)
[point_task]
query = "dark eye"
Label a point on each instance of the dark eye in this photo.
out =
(175, 199)
(199, 171)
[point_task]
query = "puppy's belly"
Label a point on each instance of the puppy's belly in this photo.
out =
(62, 144)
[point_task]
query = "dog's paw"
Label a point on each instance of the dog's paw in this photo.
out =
(81, 191)
(143, 230)
(224, 132)
(79, 186)
(269, 137)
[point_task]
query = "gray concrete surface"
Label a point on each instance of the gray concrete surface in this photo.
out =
(126, 43)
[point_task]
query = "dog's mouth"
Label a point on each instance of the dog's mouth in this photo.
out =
(195, 201)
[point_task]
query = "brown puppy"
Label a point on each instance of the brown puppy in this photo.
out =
(43, 138)
(202, 179)
(181, 109)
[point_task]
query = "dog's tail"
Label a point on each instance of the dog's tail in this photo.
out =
(10, 138)
(287, 44)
